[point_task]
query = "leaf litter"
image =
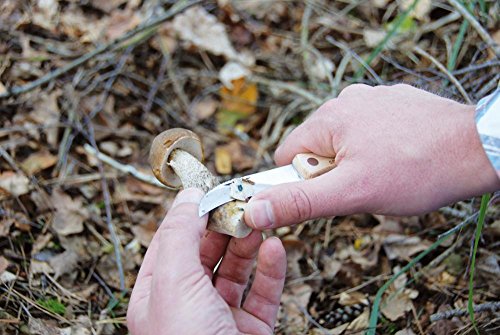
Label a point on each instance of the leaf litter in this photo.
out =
(238, 74)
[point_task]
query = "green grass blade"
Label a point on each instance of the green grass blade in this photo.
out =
(372, 325)
(480, 222)
(397, 24)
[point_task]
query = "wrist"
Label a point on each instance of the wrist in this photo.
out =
(483, 176)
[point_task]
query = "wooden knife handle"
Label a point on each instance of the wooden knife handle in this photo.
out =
(311, 165)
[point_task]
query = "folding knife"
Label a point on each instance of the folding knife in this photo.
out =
(304, 166)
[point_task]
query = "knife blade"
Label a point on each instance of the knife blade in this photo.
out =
(304, 166)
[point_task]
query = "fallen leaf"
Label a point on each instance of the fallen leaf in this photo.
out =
(64, 263)
(403, 247)
(222, 161)
(120, 22)
(2, 88)
(204, 108)
(320, 67)
(107, 6)
(46, 112)
(232, 71)
(241, 99)
(406, 331)
(38, 161)
(4, 263)
(373, 37)
(7, 277)
(44, 14)
(144, 233)
(421, 10)
(70, 214)
(398, 299)
(201, 29)
(14, 183)
(40, 327)
(37, 267)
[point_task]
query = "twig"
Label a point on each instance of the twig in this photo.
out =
(477, 26)
(107, 206)
(443, 69)
(124, 167)
(356, 57)
(16, 90)
(290, 87)
(491, 306)
(156, 86)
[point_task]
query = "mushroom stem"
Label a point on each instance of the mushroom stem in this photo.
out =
(191, 172)
(228, 218)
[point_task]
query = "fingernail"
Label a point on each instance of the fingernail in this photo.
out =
(190, 195)
(261, 214)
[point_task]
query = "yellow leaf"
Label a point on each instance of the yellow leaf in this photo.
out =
(223, 161)
(242, 98)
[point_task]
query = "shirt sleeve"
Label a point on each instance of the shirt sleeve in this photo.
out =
(488, 127)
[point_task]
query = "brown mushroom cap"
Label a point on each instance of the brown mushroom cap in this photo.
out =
(164, 144)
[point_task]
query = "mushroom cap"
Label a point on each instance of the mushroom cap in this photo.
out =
(162, 147)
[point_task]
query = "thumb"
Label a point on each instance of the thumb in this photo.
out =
(337, 192)
(179, 238)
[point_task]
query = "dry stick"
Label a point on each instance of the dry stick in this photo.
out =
(126, 168)
(289, 87)
(477, 26)
(443, 69)
(156, 86)
(107, 206)
(491, 306)
(367, 66)
(16, 90)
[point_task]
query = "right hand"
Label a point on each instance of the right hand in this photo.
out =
(399, 150)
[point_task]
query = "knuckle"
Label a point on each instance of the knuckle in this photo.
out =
(297, 204)
(354, 89)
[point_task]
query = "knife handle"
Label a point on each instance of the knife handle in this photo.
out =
(311, 165)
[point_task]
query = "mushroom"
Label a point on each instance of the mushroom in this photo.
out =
(175, 157)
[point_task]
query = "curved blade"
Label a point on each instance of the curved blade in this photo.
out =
(246, 187)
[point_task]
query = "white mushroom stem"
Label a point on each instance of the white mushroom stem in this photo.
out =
(227, 219)
(191, 172)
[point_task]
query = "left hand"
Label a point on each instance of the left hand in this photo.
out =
(177, 292)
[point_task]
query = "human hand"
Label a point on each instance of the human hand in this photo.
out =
(399, 151)
(177, 293)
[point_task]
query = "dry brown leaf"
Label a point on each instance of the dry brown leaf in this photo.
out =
(37, 267)
(144, 233)
(122, 21)
(76, 24)
(398, 299)
(223, 161)
(205, 108)
(407, 331)
(70, 214)
(421, 10)
(64, 263)
(14, 183)
(403, 247)
(44, 14)
(107, 6)
(4, 263)
(46, 112)
(41, 327)
(38, 161)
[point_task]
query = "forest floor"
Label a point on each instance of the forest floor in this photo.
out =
(81, 76)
